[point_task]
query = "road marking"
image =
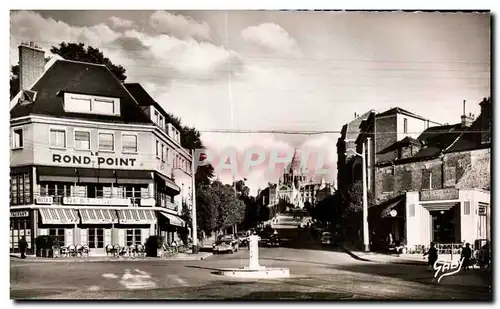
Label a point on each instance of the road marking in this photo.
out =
(179, 280)
(110, 276)
(140, 281)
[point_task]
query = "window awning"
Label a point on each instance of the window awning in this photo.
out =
(173, 219)
(98, 216)
(169, 183)
(93, 175)
(59, 216)
(388, 206)
(136, 216)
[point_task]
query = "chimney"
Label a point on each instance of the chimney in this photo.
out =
(467, 120)
(31, 64)
(485, 120)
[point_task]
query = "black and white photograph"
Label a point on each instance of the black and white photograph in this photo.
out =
(247, 155)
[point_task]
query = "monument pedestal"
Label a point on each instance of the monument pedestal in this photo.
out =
(254, 270)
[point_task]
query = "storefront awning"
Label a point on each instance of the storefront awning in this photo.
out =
(136, 216)
(98, 216)
(59, 216)
(169, 183)
(173, 219)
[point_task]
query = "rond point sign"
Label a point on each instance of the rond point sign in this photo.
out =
(311, 161)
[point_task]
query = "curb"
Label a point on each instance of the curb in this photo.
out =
(103, 260)
(366, 257)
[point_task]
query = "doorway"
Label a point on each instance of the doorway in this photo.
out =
(444, 226)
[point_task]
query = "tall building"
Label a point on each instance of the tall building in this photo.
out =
(92, 160)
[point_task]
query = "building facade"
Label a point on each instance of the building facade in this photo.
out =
(430, 186)
(88, 164)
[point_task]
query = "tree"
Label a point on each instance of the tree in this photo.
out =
(78, 52)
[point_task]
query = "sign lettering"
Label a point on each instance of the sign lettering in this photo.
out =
(86, 160)
(18, 214)
(96, 201)
(447, 268)
(46, 200)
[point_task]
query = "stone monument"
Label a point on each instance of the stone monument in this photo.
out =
(254, 269)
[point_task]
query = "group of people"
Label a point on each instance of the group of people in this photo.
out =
(467, 256)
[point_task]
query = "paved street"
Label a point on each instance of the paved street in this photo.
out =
(316, 274)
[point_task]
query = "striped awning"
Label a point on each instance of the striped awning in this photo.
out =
(173, 219)
(136, 216)
(59, 216)
(98, 216)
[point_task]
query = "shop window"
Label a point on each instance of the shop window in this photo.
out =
(96, 238)
(133, 237)
(57, 234)
(19, 227)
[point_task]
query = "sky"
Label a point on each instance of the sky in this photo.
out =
(285, 71)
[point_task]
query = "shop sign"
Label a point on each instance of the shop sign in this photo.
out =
(439, 195)
(96, 201)
(19, 214)
(393, 213)
(86, 160)
(46, 200)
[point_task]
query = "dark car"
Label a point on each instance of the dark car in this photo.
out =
(273, 240)
(225, 243)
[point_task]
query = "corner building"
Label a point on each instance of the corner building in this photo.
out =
(92, 162)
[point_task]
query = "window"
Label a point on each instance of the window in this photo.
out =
(156, 117)
(426, 180)
(163, 152)
(160, 121)
(82, 140)
(58, 138)
(20, 189)
(18, 141)
(106, 142)
(157, 149)
(466, 208)
(19, 227)
(133, 237)
(57, 234)
(103, 106)
(77, 103)
(405, 125)
(129, 143)
(96, 238)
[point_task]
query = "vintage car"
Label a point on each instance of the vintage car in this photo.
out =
(242, 238)
(225, 243)
(326, 238)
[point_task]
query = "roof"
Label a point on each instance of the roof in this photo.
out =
(142, 96)
(471, 137)
(399, 110)
(294, 165)
(353, 129)
(82, 78)
(437, 139)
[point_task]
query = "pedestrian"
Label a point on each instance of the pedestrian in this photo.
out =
(23, 244)
(433, 256)
(466, 255)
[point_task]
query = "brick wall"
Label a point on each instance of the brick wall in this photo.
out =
(469, 169)
(385, 130)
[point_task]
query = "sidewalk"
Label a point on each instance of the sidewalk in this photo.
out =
(177, 257)
(384, 258)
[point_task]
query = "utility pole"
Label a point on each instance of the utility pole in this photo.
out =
(366, 234)
(193, 201)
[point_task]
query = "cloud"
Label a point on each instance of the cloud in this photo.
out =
(147, 57)
(118, 22)
(271, 37)
(179, 26)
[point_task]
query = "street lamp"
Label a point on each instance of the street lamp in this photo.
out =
(366, 239)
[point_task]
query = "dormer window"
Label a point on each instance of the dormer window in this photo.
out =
(87, 104)
(27, 97)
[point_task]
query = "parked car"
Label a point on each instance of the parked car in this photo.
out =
(326, 238)
(273, 240)
(242, 238)
(225, 243)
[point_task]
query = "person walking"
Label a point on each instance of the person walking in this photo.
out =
(23, 245)
(433, 256)
(466, 255)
